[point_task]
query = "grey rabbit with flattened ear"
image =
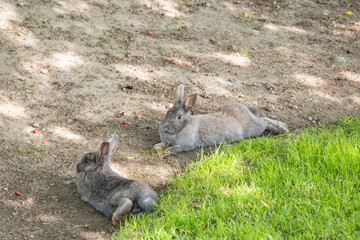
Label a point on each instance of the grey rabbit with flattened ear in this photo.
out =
(182, 131)
(107, 191)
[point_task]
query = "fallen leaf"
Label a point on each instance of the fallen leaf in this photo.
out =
(348, 13)
(130, 158)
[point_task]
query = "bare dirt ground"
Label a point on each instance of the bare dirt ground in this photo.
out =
(74, 70)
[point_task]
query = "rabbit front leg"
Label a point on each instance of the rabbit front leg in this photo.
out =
(124, 207)
(159, 146)
(177, 149)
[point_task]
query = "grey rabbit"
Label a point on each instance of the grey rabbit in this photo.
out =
(182, 131)
(107, 191)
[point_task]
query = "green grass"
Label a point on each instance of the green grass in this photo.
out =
(299, 186)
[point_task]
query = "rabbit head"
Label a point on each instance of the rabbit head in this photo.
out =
(178, 116)
(101, 159)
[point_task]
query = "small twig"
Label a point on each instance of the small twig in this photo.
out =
(264, 204)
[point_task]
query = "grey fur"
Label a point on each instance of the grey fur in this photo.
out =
(106, 191)
(182, 131)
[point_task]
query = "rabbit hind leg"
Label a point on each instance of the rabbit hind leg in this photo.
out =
(124, 207)
(276, 127)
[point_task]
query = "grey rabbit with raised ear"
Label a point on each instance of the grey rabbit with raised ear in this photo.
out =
(182, 131)
(107, 191)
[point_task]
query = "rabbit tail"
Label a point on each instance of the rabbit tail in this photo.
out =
(147, 203)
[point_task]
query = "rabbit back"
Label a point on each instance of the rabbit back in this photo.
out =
(243, 120)
(229, 123)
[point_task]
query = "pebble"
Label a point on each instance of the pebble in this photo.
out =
(35, 125)
(28, 46)
(339, 59)
(44, 71)
(232, 79)
(5, 188)
(310, 118)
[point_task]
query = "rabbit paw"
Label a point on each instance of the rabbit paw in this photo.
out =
(167, 153)
(159, 146)
(175, 149)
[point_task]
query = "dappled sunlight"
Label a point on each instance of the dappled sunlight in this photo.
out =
(65, 61)
(41, 67)
(327, 97)
(160, 6)
(293, 29)
(66, 133)
(142, 73)
(339, 29)
(309, 80)
(284, 50)
(11, 110)
(216, 86)
(233, 59)
(47, 218)
(9, 19)
(86, 234)
(351, 76)
(240, 191)
(26, 203)
(355, 100)
(230, 6)
(342, 32)
(154, 106)
(7, 14)
(71, 6)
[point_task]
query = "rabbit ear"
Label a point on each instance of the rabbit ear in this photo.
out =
(104, 150)
(113, 141)
(190, 101)
(179, 95)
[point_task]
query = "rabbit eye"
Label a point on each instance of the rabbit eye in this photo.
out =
(179, 117)
(86, 160)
